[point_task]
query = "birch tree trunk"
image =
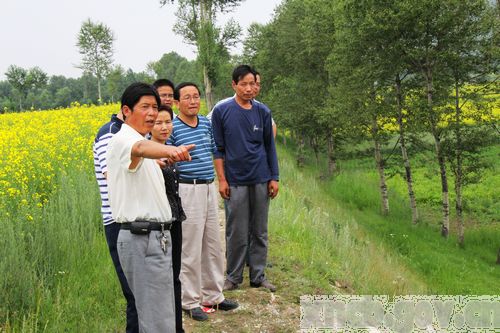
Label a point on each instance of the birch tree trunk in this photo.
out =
(208, 89)
(404, 153)
(380, 168)
(445, 227)
(315, 147)
(459, 171)
(332, 160)
(204, 51)
(99, 90)
(300, 152)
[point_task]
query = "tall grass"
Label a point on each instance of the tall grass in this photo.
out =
(320, 245)
(440, 263)
(57, 275)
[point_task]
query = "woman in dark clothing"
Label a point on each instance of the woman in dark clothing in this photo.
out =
(160, 133)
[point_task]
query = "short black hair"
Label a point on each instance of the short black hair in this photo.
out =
(165, 107)
(135, 91)
(177, 91)
(163, 82)
(241, 71)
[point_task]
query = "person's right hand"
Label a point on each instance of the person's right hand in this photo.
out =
(224, 189)
(181, 153)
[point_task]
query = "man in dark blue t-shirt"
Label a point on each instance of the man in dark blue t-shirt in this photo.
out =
(247, 168)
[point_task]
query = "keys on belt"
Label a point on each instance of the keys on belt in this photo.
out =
(144, 227)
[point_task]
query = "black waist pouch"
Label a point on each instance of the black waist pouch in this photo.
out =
(138, 228)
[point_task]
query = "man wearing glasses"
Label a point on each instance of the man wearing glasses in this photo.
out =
(202, 267)
(165, 89)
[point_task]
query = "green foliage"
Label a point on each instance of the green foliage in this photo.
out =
(95, 44)
(59, 91)
(196, 23)
(26, 81)
(176, 68)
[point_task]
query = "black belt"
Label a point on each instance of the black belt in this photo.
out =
(144, 227)
(196, 181)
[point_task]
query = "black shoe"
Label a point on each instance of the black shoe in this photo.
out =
(264, 284)
(197, 314)
(228, 285)
(225, 305)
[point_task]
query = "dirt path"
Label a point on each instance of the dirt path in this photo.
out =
(260, 311)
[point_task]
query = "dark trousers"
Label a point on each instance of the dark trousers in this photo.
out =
(112, 230)
(246, 232)
(176, 235)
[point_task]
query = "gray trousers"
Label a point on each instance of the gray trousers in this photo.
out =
(149, 274)
(246, 229)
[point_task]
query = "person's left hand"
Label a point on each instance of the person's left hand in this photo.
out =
(272, 189)
(164, 162)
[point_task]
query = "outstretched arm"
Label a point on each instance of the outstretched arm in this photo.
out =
(153, 150)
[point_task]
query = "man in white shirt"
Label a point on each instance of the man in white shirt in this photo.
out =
(138, 201)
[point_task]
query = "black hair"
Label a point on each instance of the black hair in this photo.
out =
(135, 91)
(163, 82)
(177, 91)
(241, 71)
(165, 107)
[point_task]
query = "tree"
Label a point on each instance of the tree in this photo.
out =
(26, 81)
(115, 83)
(95, 43)
(175, 67)
(372, 31)
(469, 62)
(18, 78)
(196, 23)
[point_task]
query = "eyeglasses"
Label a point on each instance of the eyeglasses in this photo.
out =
(167, 96)
(188, 98)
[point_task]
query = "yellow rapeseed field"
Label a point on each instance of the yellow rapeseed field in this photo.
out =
(37, 147)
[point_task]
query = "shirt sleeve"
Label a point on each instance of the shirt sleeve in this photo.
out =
(123, 148)
(270, 146)
(171, 141)
(212, 141)
(218, 133)
(101, 147)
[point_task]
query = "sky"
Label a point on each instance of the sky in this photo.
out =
(44, 33)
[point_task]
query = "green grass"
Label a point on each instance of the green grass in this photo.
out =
(441, 264)
(325, 237)
(57, 275)
(322, 243)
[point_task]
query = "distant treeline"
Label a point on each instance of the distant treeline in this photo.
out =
(33, 89)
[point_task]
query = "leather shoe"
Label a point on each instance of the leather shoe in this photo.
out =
(264, 284)
(225, 305)
(197, 314)
(228, 285)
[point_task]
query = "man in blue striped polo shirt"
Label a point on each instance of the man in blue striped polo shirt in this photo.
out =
(111, 228)
(202, 269)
